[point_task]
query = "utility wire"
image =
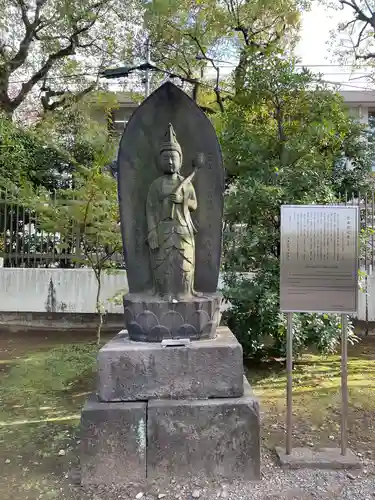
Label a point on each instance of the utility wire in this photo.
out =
(77, 75)
(230, 64)
(369, 92)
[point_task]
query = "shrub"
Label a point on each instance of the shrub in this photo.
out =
(257, 322)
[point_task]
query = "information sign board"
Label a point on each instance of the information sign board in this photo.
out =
(319, 258)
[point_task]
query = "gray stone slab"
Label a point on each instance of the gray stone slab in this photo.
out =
(142, 370)
(138, 167)
(113, 442)
(213, 439)
(325, 458)
(149, 318)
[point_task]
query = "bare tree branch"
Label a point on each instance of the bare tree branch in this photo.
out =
(24, 9)
(215, 67)
(346, 25)
(359, 39)
(20, 57)
(33, 26)
(51, 60)
(234, 10)
(42, 72)
(3, 50)
(65, 96)
(361, 16)
(368, 21)
(365, 57)
(369, 8)
(39, 5)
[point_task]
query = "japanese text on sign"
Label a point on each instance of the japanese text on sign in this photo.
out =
(319, 258)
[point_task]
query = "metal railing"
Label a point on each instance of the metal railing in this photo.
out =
(366, 204)
(240, 237)
(24, 242)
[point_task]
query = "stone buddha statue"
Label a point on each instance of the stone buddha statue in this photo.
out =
(170, 201)
(172, 263)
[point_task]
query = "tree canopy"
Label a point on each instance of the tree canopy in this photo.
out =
(190, 39)
(26, 158)
(283, 142)
(47, 153)
(356, 41)
(55, 49)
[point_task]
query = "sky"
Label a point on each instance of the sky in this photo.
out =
(316, 26)
(314, 50)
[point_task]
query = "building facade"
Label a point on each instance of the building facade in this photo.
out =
(361, 104)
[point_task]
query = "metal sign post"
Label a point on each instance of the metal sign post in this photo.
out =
(289, 387)
(319, 274)
(344, 384)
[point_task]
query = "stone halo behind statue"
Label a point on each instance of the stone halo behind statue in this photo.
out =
(169, 306)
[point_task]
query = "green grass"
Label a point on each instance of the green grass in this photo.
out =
(41, 395)
(317, 398)
(43, 388)
(43, 377)
(40, 398)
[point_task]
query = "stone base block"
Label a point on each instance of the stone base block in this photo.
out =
(325, 458)
(142, 370)
(213, 439)
(113, 442)
(149, 318)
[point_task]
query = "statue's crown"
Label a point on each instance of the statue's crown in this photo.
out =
(170, 142)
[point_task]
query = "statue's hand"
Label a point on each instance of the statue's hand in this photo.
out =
(153, 241)
(176, 197)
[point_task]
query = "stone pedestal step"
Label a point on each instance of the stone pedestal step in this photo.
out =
(202, 369)
(113, 442)
(140, 442)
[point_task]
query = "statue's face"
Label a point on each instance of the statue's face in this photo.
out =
(170, 162)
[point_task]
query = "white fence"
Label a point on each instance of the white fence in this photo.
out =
(57, 290)
(74, 291)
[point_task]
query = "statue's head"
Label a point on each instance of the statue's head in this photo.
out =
(170, 153)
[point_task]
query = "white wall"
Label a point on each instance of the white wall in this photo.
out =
(74, 291)
(56, 290)
(360, 112)
(370, 300)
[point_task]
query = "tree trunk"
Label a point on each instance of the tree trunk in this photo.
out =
(281, 134)
(98, 307)
(240, 72)
(5, 103)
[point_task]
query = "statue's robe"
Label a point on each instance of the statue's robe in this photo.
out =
(173, 261)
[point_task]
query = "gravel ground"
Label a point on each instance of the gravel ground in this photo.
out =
(276, 484)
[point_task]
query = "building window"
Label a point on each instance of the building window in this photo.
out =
(354, 113)
(371, 118)
(119, 118)
(371, 124)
